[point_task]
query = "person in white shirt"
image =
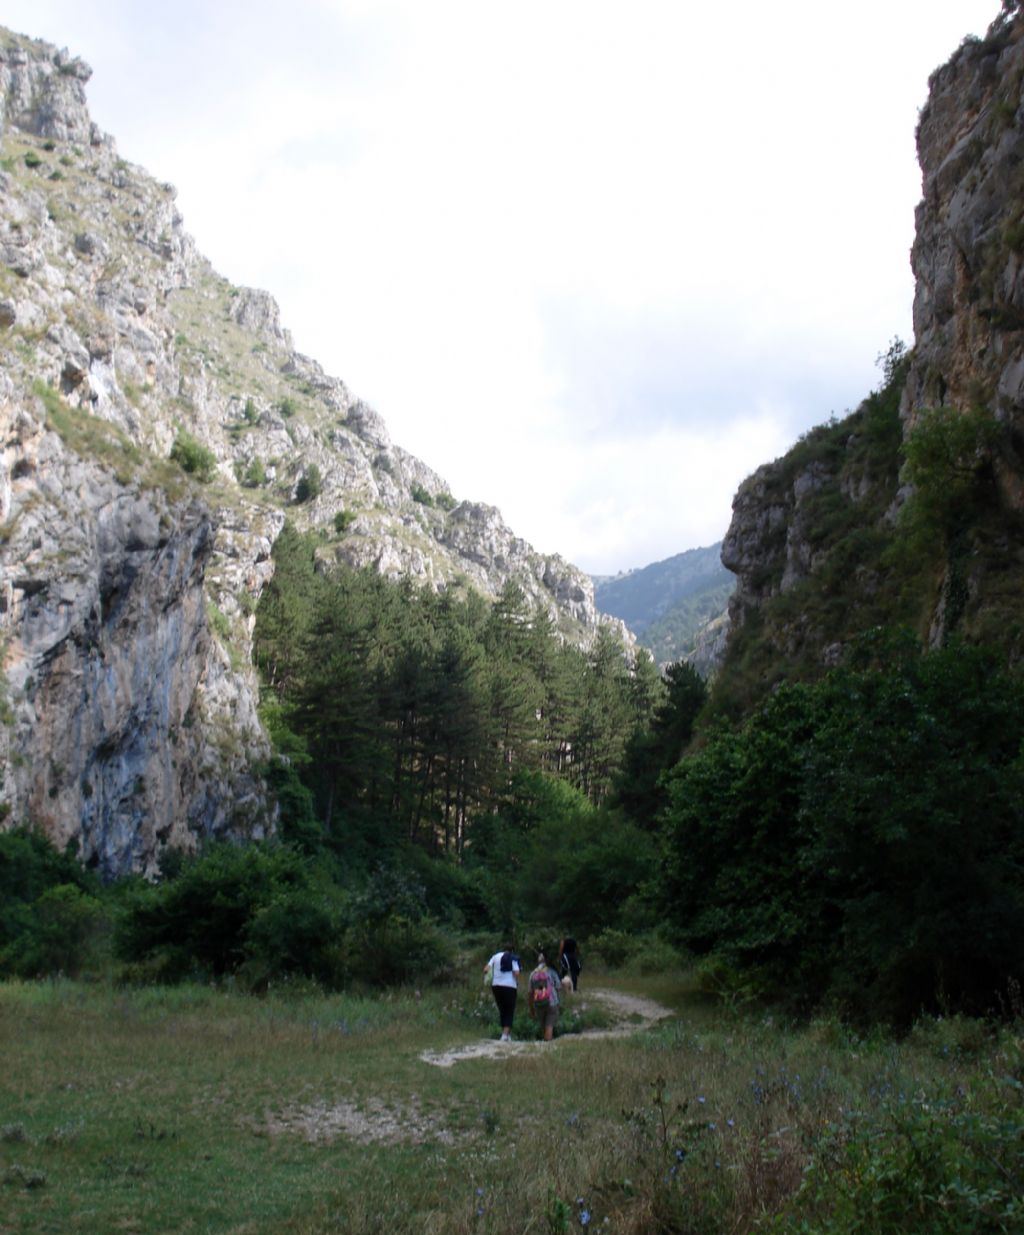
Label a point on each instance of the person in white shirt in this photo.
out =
(503, 969)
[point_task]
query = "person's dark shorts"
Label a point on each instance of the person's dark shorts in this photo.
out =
(546, 1016)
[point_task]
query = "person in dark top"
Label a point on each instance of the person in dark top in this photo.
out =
(569, 959)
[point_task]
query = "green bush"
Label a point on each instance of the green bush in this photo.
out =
(928, 1162)
(64, 931)
(861, 839)
(949, 456)
(421, 495)
(51, 914)
(193, 457)
(218, 916)
(310, 484)
(343, 520)
(255, 475)
(396, 950)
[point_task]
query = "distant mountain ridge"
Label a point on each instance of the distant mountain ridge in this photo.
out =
(669, 604)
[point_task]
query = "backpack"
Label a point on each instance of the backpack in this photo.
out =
(542, 989)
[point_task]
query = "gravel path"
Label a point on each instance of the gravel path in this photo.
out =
(633, 1013)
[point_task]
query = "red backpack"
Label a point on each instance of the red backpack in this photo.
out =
(542, 989)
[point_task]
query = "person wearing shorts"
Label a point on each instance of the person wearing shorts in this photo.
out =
(546, 1014)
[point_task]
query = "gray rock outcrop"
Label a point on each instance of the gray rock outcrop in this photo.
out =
(127, 587)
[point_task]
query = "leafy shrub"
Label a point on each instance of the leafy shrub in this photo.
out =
(445, 501)
(391, 939)
(343, 520)
(861, 838)
(645, 952)
(309, 485)
(948, 460)
(219, 916)
(421, 495)
(50, 911)
(395, 950)
(255, 475)
(63, 936)
(928, 1163)
(613, 947)
(193, 457)
(288, 406)
(249, 413)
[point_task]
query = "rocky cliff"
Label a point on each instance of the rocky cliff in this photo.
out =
(834, 538)
(156, 429)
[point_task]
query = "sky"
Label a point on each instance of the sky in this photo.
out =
(593, 262)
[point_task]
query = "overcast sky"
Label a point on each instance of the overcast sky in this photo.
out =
(592, 261)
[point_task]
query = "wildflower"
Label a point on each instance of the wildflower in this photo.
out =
(730, 1123)
(479, 1191)
(711, 1127)
(701, 1098)
(584, 1217)
(680, 1155)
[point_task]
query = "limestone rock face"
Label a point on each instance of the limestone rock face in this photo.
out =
(128, 585)
(808, 531)
(968, 255)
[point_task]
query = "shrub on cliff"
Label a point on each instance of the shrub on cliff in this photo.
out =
(310, 484)
(193, 457)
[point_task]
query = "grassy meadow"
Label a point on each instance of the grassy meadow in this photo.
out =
(196, 1109)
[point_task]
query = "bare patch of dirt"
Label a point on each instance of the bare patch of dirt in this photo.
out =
(633, 1013)
(370, 1122)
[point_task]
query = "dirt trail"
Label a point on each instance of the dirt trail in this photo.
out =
(633, 1012)
(406, 1121)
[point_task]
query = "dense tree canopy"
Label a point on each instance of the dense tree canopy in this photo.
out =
(418, 711)
(862, 839)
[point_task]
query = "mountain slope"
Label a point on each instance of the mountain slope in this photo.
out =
(667, 604)
(157, 427)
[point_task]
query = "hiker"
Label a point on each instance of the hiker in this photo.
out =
(502, 970)
(569, 959)
(543, 996)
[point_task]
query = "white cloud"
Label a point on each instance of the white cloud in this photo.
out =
(593, 262)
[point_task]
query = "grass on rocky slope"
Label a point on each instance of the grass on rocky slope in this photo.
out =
(193, 1109)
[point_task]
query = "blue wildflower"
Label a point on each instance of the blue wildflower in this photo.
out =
(584, 1217)
(680, 1155)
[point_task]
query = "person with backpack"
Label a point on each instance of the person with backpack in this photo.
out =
(569, 959)
(543, 996)
(502, 972)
